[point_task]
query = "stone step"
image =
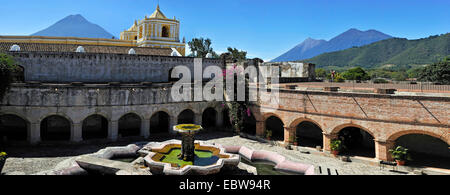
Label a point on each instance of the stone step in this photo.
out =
(326, 171)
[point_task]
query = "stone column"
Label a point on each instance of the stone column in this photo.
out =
(76, 132)
(198, 119)
(145, 128)
(288, 132)
(113, 130)
(173, 122)
(382, 149)
(260, 127)
(34, 133)
(219, 119)
(327, 139)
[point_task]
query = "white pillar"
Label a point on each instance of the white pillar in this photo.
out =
(34, 133)
(145, 128)
(113, 130)
(76, 132)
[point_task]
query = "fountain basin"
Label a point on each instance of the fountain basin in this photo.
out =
(162, 158)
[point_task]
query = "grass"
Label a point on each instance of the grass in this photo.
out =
(202, 158)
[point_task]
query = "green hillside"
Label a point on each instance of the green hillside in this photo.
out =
(393, 53)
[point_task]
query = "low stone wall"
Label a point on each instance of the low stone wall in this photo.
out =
(281, 163)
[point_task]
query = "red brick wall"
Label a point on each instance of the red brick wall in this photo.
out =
(385, 117)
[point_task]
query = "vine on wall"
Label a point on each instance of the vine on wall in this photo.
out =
(237, 109)
(7, 69)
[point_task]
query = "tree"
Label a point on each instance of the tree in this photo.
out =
(414, 72)
(321, 73)
(438, 72)
(357, 74)
(7, 69)
(234, 55)
(200, 47)
(399, 76)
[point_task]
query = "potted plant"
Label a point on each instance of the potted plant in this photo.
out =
(400, 154)
(268, 134)
(3, 157)
(293, 140)
(336, 146)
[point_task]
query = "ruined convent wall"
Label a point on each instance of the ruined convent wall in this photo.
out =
(100, 68)
(76, 103)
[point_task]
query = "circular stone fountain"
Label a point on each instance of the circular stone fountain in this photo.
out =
(188, 132)
(188, 156)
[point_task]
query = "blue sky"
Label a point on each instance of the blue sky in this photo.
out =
(264, 28)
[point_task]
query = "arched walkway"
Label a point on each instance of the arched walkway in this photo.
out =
(209, 119)
(159, 123)
(309, 134)
(95, 127)
(130, 125)
(55, 128)
(425, 150)
(13, 128)
(357, 142)
(19, 74)
(186, 117)
(276, 126)
(226, 119)
(249, 124)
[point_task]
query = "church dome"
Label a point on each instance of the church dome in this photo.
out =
(15, 48)
(80, 49)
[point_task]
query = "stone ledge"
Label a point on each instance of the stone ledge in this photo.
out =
(385, 91)
(331, 89)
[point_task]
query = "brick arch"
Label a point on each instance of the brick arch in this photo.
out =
(56, 114)
(209, 106)
(337, 129)
(266, 116)
(18, 115)
(393, 137)
(184, 109)
(171, 114)
(96, 113)
(298, 121)
(132, 112)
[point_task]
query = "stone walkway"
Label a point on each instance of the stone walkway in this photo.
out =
(344, 168)
(38, 159)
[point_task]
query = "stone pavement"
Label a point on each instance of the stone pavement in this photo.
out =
(32, 165)
(344, 168)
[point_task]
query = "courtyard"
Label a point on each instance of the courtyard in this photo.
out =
(27, 160)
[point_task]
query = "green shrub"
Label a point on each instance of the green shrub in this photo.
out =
(378, 81)
(268, 133)
(400, 153)
(336, 145)
(7, 68)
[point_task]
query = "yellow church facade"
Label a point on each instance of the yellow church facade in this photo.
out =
(156, 31)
